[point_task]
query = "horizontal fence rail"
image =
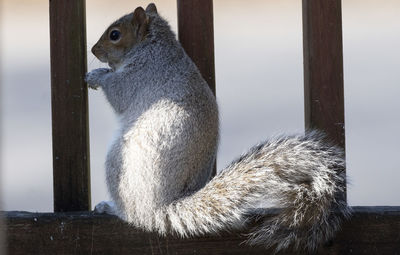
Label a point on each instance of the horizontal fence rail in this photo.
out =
(372, 230)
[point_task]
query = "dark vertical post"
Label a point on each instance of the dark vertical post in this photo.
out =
(323, 68)
(196, 34)
(71, 176)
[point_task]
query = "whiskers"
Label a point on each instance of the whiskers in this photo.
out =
(91, 58)
(91, 61)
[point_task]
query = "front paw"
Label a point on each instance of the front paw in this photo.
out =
(95, 77)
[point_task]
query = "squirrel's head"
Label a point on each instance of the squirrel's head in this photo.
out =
(123, 35)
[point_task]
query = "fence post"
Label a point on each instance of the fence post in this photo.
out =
(71, 172)
(323, 68)
(196, 35)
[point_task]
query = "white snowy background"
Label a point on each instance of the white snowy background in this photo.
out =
(259, 80)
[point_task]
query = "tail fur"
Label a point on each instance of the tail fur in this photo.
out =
(302, 174)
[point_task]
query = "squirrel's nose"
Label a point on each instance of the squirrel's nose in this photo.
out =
(95, 48)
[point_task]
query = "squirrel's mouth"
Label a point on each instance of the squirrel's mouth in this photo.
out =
(100, 54)
(103, 58)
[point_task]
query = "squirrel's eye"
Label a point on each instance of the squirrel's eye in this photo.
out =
(115, 35)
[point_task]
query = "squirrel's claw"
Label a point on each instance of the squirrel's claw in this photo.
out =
(89, 82)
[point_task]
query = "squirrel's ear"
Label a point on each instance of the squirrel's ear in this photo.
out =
(139, 16)
(140, 21)
(151, 8)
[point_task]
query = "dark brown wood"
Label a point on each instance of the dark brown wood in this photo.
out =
(323, 68)
(69, 103)
(196, 34)
(372, 230)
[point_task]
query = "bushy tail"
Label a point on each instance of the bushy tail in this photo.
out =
(303, 174)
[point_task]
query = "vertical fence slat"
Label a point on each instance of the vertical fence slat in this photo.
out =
(323, 68)
(71, 173)
(196, 34)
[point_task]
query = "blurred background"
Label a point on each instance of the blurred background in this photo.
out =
(259, 77)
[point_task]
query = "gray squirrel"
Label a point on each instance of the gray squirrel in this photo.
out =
(159, 166)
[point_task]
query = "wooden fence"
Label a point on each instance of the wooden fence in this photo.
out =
(73, 229)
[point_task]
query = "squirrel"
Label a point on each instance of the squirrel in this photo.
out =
(158, 168)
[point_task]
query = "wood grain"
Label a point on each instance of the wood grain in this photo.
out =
(69, 106)
(196, 34)
(323, 68)
(372, 230)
